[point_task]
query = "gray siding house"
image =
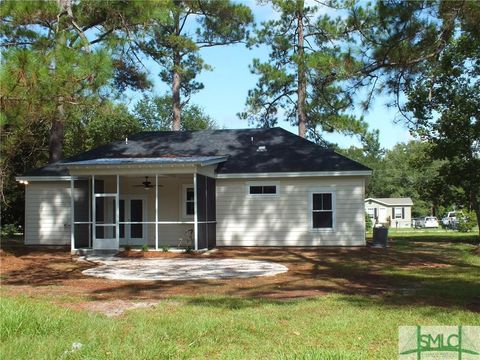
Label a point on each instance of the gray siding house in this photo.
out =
(251, 187)
(397, 211)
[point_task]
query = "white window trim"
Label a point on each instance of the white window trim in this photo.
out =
(183, 200)
(325, 190)
(262, 183)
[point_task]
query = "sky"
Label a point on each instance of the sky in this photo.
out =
(227, 85)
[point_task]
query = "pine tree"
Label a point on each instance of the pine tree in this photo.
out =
(303, 79)
(174, 42)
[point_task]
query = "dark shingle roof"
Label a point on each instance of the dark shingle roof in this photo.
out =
(285, 152)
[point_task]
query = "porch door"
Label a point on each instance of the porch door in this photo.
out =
(132, 210)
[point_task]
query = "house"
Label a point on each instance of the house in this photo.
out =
(250, 187)
(395, 211)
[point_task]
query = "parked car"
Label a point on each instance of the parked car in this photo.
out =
(451, 220)
(430, 222)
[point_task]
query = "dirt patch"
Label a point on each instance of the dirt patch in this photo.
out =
(312, 272)
(112, 308)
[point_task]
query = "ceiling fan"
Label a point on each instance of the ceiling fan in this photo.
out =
(146, 184)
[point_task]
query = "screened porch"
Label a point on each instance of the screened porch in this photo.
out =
(138, 209)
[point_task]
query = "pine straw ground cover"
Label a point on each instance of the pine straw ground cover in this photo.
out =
(332, 303)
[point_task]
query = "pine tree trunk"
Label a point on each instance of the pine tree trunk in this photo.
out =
(476, 209)
(57, 134)
(176, 94)
(302, 81)
(57, 129)
(176, 124)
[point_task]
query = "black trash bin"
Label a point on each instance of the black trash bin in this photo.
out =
(380, 237)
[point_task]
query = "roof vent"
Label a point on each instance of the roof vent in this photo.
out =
(262, 148)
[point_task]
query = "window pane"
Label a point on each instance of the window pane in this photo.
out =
(317, 201)
(398, 213)
(327, 201)
(269, 189)
(322, 219)
(256, 190)
(190, 208)
(190, 194)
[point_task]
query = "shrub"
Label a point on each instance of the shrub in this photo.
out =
(165, 248)
(467, 222)
(188, 249)
(127, 247)
(145, 248)
(9, 230)
(368, 222)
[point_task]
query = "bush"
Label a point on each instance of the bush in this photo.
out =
(127, 247)
(165, 248)
(9, 230)
(368, 222)
(467, 222)
(145, 248)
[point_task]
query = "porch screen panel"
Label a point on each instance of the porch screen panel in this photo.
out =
(206, 212)
(81, 213)
(202, 211)
(211, 213)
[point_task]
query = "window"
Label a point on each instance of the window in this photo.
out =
(188, 201)
(260, 188)
(322, 210)
(263, 190)
(371, 213)
(398, 213)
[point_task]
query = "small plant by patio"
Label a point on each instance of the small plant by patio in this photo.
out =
(127, 248)
(188, 249)
(145, 248)
(165, 248)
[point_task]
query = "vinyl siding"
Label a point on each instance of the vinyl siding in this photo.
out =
(47, 213)
(284, 220)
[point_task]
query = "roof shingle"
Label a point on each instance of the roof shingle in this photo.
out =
(284, 151)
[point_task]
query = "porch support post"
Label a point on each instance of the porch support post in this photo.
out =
(195, 224)
(117, 212)
(72, 214)
(156, 211)
(94, 215)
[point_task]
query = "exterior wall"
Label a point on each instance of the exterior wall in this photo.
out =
(47, 213)
(402, 223)
(284, 219)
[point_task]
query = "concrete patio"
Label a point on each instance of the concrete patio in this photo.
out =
(181, 269)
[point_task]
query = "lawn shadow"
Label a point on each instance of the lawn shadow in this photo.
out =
(408, 273)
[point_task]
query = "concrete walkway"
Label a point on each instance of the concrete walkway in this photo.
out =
(181, 269)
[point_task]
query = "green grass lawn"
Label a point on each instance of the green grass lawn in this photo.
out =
(332, 326)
